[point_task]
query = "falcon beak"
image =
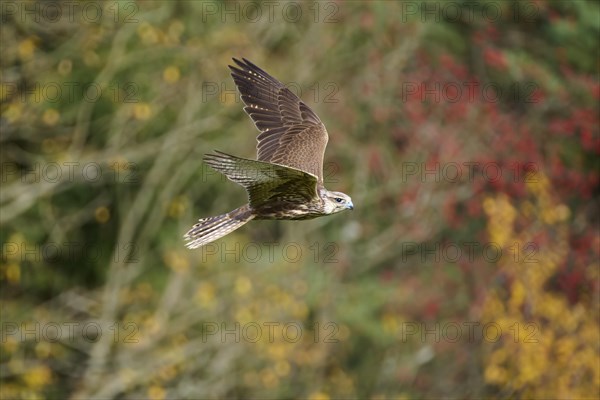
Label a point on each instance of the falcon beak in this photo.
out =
(350, 206)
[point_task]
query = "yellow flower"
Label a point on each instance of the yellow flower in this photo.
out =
(156, 392)
(148, 33)
(268, 378)
(38, 376)
(167, 372)
(564, 349)
(142, 111)
(171, 74)
(91, 58)
(243, 285)
(175, 30)
(205, 294)
(50, 117)
(10, 344)
(277, 351)
(102, 214)
(26, 49)
(489, 206)
(517, 298)
(65, 66)
(282, 368)
(495, 374)
(562, 212)
(13, 273)
(244, 316)
(13, 112)
(299, 310)
(390, 324)
(319, 396)
(176, 261)
(43, 349)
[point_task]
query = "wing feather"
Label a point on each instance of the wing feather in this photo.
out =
(265, 182)
(291, 133)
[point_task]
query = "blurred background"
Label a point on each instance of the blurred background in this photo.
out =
(465, 132)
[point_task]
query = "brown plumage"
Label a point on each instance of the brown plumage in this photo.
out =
(291, 133)
(286, 180)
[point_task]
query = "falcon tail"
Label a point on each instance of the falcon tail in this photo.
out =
(212, 228)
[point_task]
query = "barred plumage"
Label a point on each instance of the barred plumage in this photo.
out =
(210, 229)
(286, 181)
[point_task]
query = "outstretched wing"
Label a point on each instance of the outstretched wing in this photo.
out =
(265, 182)
(291, 133)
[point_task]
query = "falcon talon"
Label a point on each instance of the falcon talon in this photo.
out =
(286, 179)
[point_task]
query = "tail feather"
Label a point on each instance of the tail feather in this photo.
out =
(212, 228)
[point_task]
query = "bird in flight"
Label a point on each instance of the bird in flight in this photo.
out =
(286, 180)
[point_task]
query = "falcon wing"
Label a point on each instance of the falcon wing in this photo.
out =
(291, 133)
(265, 182)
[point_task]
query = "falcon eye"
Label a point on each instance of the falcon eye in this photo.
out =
(339, 199)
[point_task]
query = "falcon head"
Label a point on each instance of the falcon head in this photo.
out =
(336, 202)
